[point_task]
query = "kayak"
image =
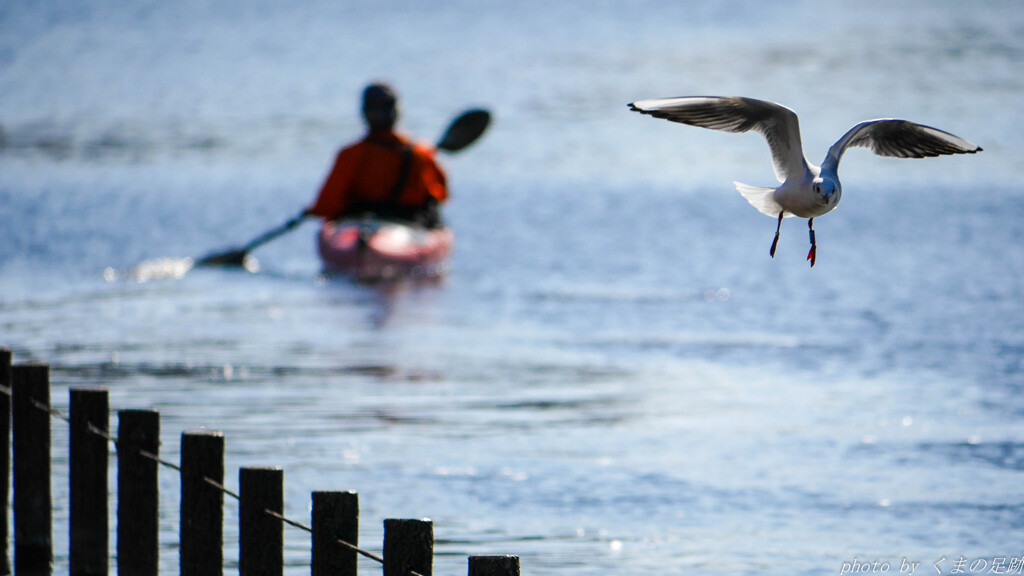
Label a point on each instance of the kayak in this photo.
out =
(371, 249)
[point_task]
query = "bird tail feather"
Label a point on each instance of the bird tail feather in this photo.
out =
(761, 198)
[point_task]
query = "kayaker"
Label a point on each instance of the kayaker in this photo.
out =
(385, 173)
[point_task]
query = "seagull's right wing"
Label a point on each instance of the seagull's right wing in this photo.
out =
(778, 124)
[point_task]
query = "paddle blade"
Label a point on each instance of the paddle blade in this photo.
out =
(231, 258)
(465, 130)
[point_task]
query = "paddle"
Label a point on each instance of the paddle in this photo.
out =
(237, 256)
(462, 132)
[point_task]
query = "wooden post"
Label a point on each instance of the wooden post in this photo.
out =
(202, 504)
(33, 538)
(335, 517)
(408, 545)
(138, 548)
(260, 535)
(5, 453)
(89, 453)
(501, 565)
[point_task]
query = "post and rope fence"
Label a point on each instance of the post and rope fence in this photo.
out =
(25, 416)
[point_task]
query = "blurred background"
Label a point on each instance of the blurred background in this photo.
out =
(615, 377)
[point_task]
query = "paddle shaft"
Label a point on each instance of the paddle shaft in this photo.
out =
(271, 234)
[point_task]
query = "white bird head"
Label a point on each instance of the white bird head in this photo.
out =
(828, 191)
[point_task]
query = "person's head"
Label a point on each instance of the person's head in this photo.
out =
(380, 106)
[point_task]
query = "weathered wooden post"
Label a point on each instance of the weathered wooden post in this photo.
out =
(33, 537)
(496, 565)
(202, 503)
(138, 444)
(89, 453)
(408, 545)
(260, 535)
(335, 517)
(5, 453)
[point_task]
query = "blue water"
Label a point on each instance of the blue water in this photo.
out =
(615, 378)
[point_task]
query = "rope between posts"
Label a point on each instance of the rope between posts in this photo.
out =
(352, 547)
(93, 429)
(221, 487)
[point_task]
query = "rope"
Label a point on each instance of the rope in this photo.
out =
(51, 411)
(158, 460)
(93, 429)
(221, 487)
(352, 547)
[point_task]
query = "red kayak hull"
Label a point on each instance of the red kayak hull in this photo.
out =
(373, 250)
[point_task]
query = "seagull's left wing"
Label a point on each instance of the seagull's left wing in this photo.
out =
(898, 139)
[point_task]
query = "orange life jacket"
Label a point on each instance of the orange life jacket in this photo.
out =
(366, 173)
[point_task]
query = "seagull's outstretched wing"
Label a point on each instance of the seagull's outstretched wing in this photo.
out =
(778, 124)
(899, 139)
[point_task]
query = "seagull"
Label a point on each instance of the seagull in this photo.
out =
(806, 190)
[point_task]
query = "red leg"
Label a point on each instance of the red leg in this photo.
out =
(814, 246)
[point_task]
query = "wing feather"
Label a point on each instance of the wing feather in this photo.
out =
(898, 139)
(779, 125)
